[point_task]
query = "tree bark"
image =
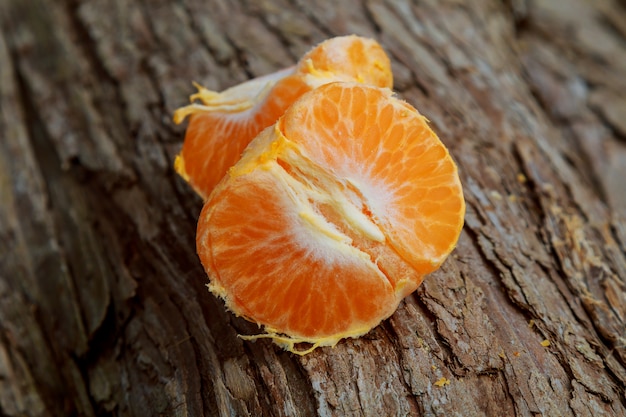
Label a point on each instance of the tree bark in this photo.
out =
(103, 305)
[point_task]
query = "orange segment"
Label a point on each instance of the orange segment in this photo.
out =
(277, 262)
(222, 124)
(346, 58)
(331, 216)
(386, 151)
(219, 132)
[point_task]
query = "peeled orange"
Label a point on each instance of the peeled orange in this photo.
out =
(222, 124)
(332, 216)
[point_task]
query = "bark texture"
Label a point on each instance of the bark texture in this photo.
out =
(103, 308)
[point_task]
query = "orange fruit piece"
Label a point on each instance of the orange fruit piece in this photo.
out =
(332, 216)
(222, 124)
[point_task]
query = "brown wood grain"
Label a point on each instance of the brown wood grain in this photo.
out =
(103, 304)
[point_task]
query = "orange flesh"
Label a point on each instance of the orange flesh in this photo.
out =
(222, 124)
(396, 159)
(215, 140)
(288, 267)
(332, 216)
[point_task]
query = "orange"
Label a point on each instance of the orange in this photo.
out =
(223, 124)
(332, 216)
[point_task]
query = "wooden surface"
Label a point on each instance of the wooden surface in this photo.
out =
(103, 305)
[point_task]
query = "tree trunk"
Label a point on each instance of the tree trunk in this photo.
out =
(103, 304)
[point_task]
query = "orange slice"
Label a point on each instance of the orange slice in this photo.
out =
(332, 216)
(222, 124)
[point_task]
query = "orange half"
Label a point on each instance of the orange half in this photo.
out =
(332, 216)
(222, 124)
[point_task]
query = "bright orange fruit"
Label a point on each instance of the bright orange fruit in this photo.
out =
(222, 124)
(332, 216)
